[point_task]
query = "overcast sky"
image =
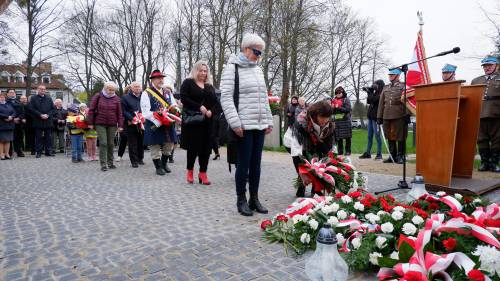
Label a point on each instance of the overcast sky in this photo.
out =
(448, 24)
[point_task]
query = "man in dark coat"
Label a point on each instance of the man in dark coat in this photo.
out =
(391, 114)
(488, 140)
(19, 122)
(59, 120)
(131, 103)
(373, 99)
(41, 108)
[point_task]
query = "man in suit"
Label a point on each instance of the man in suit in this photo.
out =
(488, 140)
(42, 108)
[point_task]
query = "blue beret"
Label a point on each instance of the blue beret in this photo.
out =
(449, 68)
(395, 71)
(489, 60)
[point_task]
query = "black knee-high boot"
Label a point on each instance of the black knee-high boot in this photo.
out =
(392, 151)
(401, 152)
(495, 157)
(485, 154)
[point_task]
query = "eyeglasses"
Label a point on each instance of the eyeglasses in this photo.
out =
(256, 52)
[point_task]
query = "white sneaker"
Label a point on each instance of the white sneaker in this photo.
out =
(118, 159)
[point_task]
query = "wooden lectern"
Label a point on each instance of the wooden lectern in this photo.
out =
(447, 128)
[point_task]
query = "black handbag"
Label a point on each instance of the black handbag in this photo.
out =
(231, 137)
(192, 117)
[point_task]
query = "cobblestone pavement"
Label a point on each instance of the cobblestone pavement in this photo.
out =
(64, 221)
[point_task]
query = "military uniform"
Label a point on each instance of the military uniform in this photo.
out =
(391, 110)
(488, 140)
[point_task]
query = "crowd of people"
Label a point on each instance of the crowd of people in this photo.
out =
(150, 118)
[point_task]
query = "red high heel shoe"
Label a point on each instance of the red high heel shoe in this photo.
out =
(203, 179)
(189, 176)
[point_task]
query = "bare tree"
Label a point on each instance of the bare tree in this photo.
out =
(79, 45)
(42, 20)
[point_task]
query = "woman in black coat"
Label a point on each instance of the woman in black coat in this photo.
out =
(198, 96)
(343, 127)
(7, 114)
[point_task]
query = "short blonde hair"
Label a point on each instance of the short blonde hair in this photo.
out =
(252, 40)
(196, 68)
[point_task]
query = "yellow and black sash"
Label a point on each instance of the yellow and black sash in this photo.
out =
(158, 97)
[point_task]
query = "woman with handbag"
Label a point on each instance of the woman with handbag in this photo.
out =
(199, 102)
(249, 117)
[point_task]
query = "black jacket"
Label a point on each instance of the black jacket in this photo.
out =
(373, 100)
(18, 107)
(59, 114)
(130, 104)
(6, 110)
(41, 105)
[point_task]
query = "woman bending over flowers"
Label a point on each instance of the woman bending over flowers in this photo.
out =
(313, 135)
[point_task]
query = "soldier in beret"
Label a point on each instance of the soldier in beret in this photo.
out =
(391, 113)
(448, 72)
(488, 140)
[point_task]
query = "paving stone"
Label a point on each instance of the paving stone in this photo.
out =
(78, 222)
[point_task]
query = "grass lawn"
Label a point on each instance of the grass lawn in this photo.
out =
(359, 141)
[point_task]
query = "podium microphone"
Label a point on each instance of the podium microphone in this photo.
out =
(454, 51)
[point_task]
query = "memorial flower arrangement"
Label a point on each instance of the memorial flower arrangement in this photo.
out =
(443, 237)
(330, 173)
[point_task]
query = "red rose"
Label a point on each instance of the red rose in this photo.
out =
(282, 218)
(416, 205)
(391, 198)
(414, 276)
(370, 197)
(385, 205)
(476, 275)
(404, 238)
(355, 194)
(467, 199)
(366, 202)
(339, 195)
(422, 197)
(347, 178)
(265, 224)
(450, 244)
(433, 206)
(421, 213)
(430, 199)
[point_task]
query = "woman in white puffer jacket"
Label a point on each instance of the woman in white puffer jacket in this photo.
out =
(251, 121)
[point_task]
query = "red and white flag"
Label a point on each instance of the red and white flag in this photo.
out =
(418, 73)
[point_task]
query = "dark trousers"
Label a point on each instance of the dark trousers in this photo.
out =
(248, 163)
(43, 139)
(340, 146)
(58, 140)
(123, 143)
(489, 134)
(202, 159)
(18, 138)
(135, 144)
(30, 138)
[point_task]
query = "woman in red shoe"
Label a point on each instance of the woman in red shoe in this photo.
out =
(198, 98)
